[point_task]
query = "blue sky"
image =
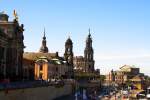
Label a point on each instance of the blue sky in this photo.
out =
(120, 28)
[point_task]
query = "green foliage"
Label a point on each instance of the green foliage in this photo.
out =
(102, 78)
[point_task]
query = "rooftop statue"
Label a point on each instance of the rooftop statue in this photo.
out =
(15, 15)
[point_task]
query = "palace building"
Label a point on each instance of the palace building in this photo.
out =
(11, 48)
(127, 75)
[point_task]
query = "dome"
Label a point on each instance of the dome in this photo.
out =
(3, 16)
(69, 41)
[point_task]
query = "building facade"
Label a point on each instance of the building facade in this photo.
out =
(45, 65)
(123, 75)
(86, 63)
(11, 48)
(127, 75)
(46, 69)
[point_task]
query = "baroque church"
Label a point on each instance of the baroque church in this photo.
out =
(44, 65)
(11, 48)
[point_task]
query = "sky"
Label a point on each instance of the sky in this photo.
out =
(120, 28)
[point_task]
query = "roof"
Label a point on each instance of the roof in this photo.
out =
(43, 58)
(47, 57)
(126, 67)
(79, 58)
(28, 62)
(137, 78)
(55, 61)
(34, 56)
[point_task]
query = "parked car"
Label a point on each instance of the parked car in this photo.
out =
(125, 94)
(148, 93)
(141, 95)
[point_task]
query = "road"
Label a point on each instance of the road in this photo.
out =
(70, 97)
(114, 97)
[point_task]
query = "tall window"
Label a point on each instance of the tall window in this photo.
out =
(40, 76)
(41, 67)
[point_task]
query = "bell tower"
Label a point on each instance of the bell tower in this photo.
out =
(44, 48)
(68, 55)
(88, 54)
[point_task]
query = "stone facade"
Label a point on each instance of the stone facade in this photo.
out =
(29, 59)
(86, 63)
(68, 56)
(11, 48)
(45, 65)
(38, 93)
(126, 75)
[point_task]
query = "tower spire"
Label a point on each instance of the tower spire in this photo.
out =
(44, 48)
(89, 31)
(69, 34)
(44, 37)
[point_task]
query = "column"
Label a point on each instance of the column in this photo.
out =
(5, 51)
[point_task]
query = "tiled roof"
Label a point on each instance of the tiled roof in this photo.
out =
(27, 62)
(127, 67)
(34, 56)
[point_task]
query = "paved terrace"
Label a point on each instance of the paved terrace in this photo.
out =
(21, 85)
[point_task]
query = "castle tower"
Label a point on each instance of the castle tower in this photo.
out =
(44, 48)
(88, 54)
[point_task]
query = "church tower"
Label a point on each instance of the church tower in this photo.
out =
(68, 55)
(88, 54)
(44, 48)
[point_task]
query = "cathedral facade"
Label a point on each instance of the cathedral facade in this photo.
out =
(86, 63)
(11, 48)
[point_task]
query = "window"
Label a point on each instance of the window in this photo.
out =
(56, 69)
(40, 76)
(41, 67)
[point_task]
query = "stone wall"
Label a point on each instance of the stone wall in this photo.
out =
(39, 93)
